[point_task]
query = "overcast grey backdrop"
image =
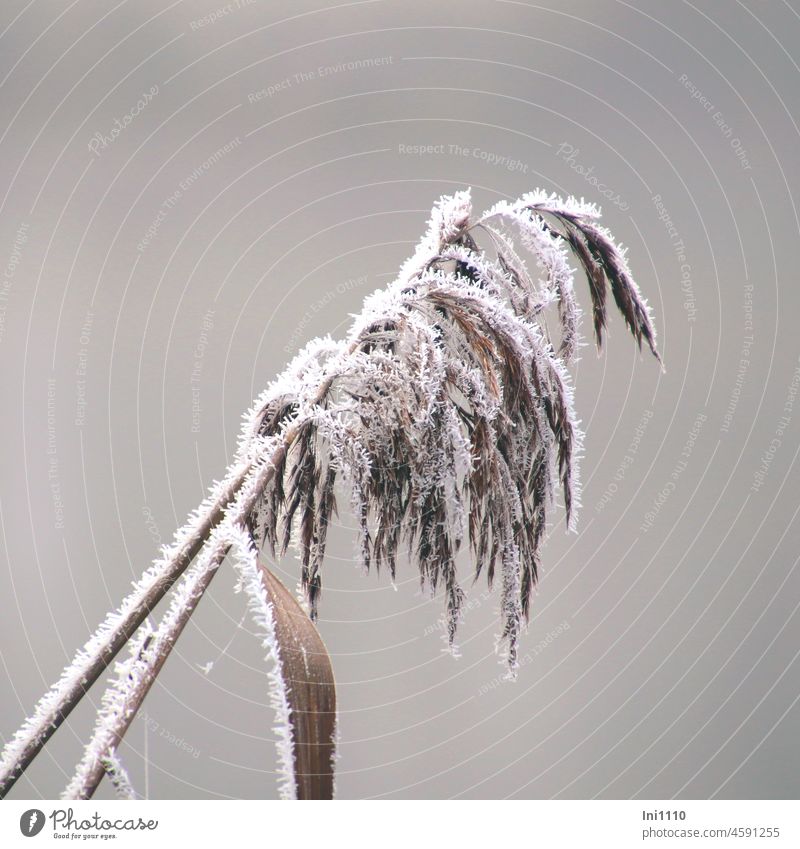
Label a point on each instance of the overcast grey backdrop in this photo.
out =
(154, 279)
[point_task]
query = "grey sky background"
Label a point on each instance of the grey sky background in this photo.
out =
(154, 280)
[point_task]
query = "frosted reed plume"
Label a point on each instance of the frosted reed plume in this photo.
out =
(448, 409)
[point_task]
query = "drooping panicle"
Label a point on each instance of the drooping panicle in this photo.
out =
(447, 411)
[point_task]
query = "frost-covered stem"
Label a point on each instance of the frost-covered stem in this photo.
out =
(107, 737)
(123, 700)
(114, 632)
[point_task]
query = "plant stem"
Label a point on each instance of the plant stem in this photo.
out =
(106, 739)
(115, 631)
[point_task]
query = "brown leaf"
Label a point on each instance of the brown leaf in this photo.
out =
(308, 675)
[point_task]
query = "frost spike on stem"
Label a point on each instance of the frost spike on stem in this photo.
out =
(118, 775)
